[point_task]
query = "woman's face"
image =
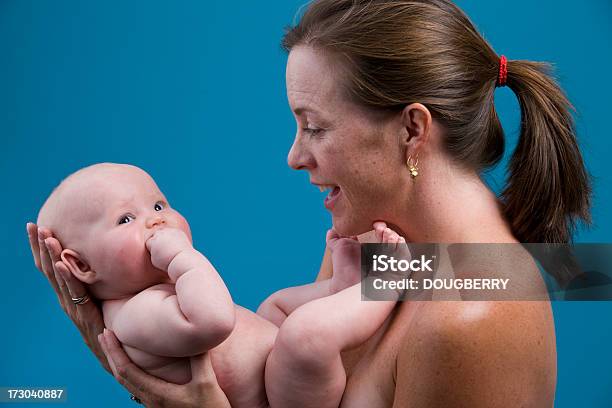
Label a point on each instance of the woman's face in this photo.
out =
(342, 146)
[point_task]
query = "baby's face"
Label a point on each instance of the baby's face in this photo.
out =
(123, 208)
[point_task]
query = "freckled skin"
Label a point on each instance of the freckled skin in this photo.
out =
(353, 151)
(428, 354)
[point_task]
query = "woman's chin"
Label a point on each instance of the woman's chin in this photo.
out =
(348, 227)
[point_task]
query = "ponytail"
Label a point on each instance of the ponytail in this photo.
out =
(396, 52)
(548, 187)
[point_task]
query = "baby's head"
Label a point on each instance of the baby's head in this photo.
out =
(103, 215)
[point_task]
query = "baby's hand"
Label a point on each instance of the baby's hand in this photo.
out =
(165, 244)
(346, 260)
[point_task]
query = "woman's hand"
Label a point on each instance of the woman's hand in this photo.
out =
(202, 391)
(46, 251)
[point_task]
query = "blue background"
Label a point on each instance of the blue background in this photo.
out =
(193, 92)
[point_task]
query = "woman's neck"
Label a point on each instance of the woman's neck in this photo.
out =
(453, 206)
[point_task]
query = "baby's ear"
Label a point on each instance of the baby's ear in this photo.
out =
(78, 267)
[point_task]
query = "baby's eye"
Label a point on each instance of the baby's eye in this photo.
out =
(124, 219)
(160, 205)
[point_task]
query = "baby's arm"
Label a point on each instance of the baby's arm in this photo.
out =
(198, 317)
(282, 303)
(305, 366)
(346, 254)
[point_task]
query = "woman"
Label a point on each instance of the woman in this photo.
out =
(395, 111)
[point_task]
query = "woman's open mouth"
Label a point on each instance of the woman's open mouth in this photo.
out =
(333, 195)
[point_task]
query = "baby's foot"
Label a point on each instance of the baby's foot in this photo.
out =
(386, 235)
(396, 247)
(396, 244)
(346, 260)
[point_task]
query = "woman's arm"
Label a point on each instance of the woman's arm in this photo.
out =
(326, 270)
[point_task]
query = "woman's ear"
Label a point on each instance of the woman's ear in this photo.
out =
(416, 120)
(78, 267)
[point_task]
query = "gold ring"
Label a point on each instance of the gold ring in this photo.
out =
(81, 300)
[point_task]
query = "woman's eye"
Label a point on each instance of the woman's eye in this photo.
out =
(312, 131)
(124, 219)
(159, 206)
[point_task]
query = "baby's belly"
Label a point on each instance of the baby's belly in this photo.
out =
(239, 362)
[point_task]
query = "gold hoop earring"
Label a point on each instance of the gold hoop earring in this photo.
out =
(412, 166)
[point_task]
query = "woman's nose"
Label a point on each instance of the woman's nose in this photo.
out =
(300, 157)
(155, 221)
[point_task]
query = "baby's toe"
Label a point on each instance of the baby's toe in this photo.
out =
(390, 236)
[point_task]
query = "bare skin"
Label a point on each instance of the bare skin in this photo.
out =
(429, 354)
(134, 251)
(163, 299)
(459, 354)
(411, 361)
(304, 368)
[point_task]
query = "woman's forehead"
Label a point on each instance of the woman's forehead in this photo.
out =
(312, 80)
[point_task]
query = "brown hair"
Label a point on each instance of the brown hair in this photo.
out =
(397, 52)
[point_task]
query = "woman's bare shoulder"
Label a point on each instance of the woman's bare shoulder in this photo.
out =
(477, 354)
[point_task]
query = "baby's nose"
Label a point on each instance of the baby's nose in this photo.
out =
(155, 221)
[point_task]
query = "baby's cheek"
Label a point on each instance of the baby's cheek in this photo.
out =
(127, 256)
(183, 225)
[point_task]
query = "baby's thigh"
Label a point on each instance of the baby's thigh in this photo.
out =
(239, 362)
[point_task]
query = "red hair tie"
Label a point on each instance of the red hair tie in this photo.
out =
(503, 71)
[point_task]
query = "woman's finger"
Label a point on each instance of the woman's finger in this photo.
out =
(207, 389)
(127, 373)
(45, 258)
(53, 250)
(109, 360)
(62, 275)
(75, 287)
(62, 292)
(86, 312)
(201, 369)
(32, 230)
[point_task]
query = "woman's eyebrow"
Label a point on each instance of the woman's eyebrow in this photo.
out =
(301, 110)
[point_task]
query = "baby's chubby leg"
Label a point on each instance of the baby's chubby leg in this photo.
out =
(239, 361)
(305, 367)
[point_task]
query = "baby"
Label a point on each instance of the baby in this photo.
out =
(166, 302)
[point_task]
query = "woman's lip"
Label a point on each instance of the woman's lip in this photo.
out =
(332, 198)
